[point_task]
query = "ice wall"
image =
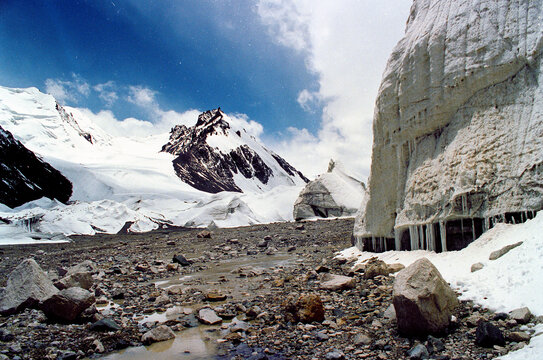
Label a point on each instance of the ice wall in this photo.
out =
(458, 126)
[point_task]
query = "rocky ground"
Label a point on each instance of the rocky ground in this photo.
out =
(255, 274)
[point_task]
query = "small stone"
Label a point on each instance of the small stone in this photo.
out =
(418, 352)
(499, 253)
(98, 346)
(170, 243)
(337, 282)
(306, 309)
(519, 336)
(521, 315)
(322, 336)
(204, 234)
(488, 335)
(215, 296)
(434, 345)
(476, 267)
(334, 355)
(300, 227)
(263, 244)
(209, 316)
(361, 339)
(181, 260)
(106, 324)
(160, 333)
(172, 267)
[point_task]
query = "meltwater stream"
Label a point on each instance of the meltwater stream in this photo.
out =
(200, 342)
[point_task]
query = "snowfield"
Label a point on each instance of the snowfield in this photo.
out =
(512, 281)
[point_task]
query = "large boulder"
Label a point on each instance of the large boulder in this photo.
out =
(457, 127)
(27, 285)
(423, 300)
(68, 304)
(332, 194)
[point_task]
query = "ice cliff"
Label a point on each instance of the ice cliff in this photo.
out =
(458, 126)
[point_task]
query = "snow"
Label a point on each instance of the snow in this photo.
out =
(11, 234)
(505, 284)
(344, 189)
(127, 179)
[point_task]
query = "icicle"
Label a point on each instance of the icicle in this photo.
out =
(373, 243)
(523, 216)
(421, 238)
(443, 233)
(472, 229)
(464, 204)
(462, 227)
(397, 240)
(384, 241)
(414, 234)
(430, 238)
(486, 224)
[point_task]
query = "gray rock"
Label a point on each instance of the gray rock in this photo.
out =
(336, 282)
(361, 339)
(521, 315)
(390, 313)
(68, 304)
(476, 267)
(208, 316)
(418, 352)
(160, 333)
(82, 279)
(334, 355)
(519, 336)
(504, 250)
(423, 301)
(105, 324)
(83, 267)
(27, 285)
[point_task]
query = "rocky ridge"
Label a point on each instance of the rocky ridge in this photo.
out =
(217, 168)
(25, 177)
(458, 129)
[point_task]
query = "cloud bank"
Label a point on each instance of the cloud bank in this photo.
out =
(346, 44)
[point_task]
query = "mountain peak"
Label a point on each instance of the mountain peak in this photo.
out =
(211, 158)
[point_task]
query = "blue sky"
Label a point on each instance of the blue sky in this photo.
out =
(308, 71)
(192, 54)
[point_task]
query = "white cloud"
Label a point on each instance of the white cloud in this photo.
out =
(107, 92)
(59, 91)
(346, 44)
(142, 96)
(131, 127)
(308, 100)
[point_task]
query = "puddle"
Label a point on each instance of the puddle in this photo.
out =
(224, 276)
(200, 342)
(190, 344)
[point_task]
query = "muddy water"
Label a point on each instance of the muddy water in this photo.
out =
(200, 342)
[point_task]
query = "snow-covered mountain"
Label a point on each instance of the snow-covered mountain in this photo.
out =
(215, 156)
(24, 177)
(117, 180)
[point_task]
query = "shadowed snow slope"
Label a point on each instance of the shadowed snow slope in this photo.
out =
(119, 179)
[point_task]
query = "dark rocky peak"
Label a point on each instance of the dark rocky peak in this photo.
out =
(24, 177)
(212, 169)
